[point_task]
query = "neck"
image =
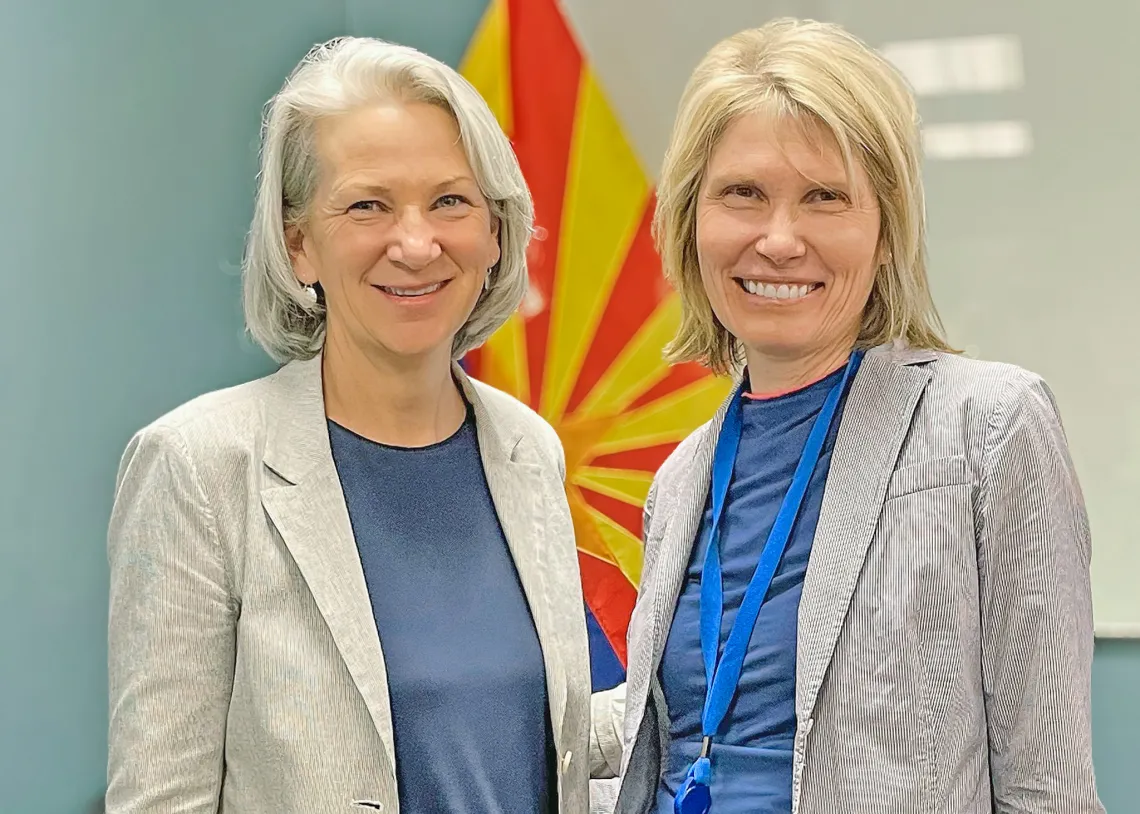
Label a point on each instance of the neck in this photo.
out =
(399, 402)
(773, 374)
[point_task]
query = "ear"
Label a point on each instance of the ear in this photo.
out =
(298, 245)
(882, 252)
(497, 251)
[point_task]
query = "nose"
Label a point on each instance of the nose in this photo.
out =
(779, 239)
(413, 244)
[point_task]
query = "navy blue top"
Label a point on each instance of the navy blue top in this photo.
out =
(465, 670)
(752, 755)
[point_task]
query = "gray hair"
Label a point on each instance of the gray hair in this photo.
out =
(333, 78)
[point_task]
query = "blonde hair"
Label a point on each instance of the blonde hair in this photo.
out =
(818, 74)
(333, 78)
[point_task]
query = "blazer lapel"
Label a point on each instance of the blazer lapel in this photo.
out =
(519, 492)
(875, 422)
(308, 510)
(661, 582)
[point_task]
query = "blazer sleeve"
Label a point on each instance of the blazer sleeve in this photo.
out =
(1036, 609)
(171, 642)
(607, 713)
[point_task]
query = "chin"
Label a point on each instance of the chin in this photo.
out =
(416, 346)
(775, 345)
(419, 351)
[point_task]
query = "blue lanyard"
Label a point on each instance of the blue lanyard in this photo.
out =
(722, 678)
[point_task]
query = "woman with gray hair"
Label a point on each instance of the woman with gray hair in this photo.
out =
(866, 582)
(353, 585)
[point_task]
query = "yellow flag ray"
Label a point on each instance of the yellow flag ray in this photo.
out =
(504, 363)
(638, 367)
(667, 420)
(587, 537)
(606, 195)
(623, 548)
(487, 63)
(627, 485)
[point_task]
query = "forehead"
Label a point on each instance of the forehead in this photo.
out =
(392, 136)
(767, 142)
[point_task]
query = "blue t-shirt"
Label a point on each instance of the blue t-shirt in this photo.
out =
(752, 754)
(465, 669)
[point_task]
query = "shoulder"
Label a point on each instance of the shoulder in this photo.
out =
(220, 429)
(212, 417)
(967, 408)
(994, 393)
(510, 414)
(956, 385)
(992, 382)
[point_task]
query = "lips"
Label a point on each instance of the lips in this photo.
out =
(411, 292)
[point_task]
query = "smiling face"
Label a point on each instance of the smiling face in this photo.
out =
(787, 243)
(398, 234)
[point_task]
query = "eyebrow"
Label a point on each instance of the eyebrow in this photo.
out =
(734, 175)
(452, 181)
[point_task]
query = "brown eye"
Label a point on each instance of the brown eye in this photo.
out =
(824, 195)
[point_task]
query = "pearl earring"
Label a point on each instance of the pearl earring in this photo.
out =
(310, 293)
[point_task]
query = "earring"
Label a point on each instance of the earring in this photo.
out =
(487, 282)
(310, 293)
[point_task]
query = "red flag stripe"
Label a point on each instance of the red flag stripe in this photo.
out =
(546, 70)
(610, 598)
(645, 459)
(624, 514)
(679, 376)
(636, 294)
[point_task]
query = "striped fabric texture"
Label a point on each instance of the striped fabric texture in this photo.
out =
(945, 631)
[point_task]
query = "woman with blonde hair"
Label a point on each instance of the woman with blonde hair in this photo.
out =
(352, 585)
(866, 582)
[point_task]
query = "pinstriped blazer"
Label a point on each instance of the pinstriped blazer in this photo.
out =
(945, 628)
(246, 674)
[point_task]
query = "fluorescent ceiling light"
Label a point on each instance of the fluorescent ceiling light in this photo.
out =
(989, 64)
(963, 140)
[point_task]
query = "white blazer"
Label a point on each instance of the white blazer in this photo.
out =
(246, 673)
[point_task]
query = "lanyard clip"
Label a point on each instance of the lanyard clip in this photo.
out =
(706, 745)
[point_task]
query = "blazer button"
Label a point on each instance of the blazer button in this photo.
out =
(566, 758)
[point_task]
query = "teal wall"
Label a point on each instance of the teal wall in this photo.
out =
(1116, 724)
(128, 150)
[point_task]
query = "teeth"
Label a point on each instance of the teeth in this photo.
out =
(773, 292)
(412, 292)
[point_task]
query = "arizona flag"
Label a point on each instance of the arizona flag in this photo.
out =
(584, 350)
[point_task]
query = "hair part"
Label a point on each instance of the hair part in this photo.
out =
(824, 79)
(336, 77)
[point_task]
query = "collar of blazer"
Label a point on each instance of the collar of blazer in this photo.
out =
(297, 439)
(306, 505)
